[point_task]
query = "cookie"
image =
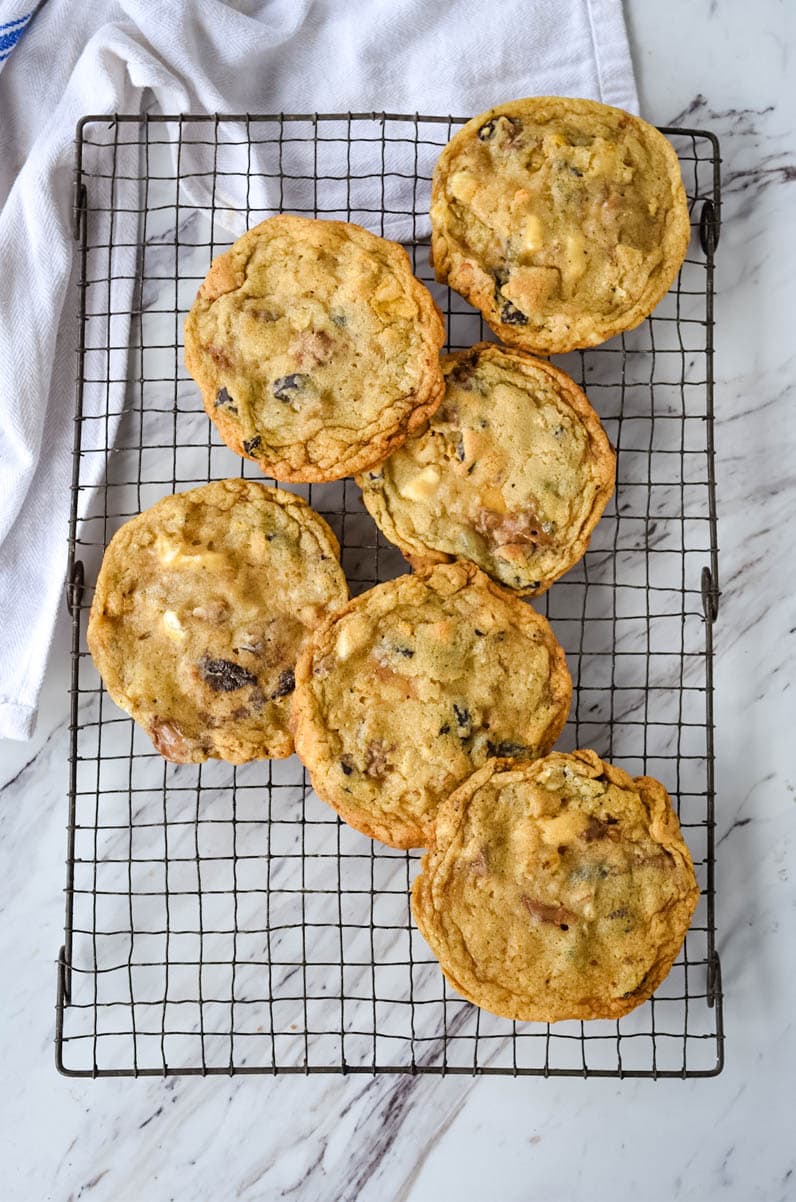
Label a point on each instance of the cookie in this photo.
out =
(416, 683)
(201, 606)
(512, 472)
(563, 221)
(556, 889)
(315, 348)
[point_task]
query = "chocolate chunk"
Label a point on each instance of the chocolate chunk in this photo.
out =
(225, 401)
(487, 131)
(312, 348)
(510, 315)
(218, 355)
(224, 676)
(250, 445)
(340, 319)
(346, 766)
(464, 369)
(507, 748)
(406, 652)
(286, 685)
(463, 720)
(170, 741)
(480, 633)
(544, 912)
(500, 276)
(445, 729)
(596, 828)
(460, 449)
(513, 528)
(285, 386)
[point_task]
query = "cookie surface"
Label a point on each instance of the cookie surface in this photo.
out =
(557, 889)
(201, 606)
(315, 348)
(512, 472)
(413, 685)
(564, 221)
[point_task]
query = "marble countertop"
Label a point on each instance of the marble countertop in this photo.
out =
(709, 65)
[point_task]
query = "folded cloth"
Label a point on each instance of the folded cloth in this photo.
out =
(433, 56)
(15, 19)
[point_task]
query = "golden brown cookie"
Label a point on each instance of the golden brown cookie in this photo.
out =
(512, 472)
(564, 221)
(556, 889)
(413, 685)
(201, 606)
(315, 348)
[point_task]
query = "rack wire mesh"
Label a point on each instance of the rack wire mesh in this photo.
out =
(221, 919)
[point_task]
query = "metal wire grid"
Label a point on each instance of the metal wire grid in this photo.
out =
(221, 919)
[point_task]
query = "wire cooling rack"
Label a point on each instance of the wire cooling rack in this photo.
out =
(221, 919)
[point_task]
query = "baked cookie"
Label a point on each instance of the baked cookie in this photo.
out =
(511, 472)
(201, 606)
(413, 685)
(556, 889)
(315, 348)
(563, 221)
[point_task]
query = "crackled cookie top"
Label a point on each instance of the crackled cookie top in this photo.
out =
(413, 685)
(511, 472)
(563, 221)
(556, 889)
(201, 606)
(315, 347)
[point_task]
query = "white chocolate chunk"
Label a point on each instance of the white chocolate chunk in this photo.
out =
(423, 485)
(533, 238)
(354, 633)
(170, 555)
(166, 551)
(575, 256)
(463, 186)
(173, 626)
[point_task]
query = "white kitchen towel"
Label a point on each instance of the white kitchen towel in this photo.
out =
(436, 56)
(14, 22)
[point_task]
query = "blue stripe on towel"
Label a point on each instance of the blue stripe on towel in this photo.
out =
(13, 32)
(18, 21)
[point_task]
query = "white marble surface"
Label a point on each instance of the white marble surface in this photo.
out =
(713, 65)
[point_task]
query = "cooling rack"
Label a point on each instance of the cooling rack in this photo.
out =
(221, 919)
